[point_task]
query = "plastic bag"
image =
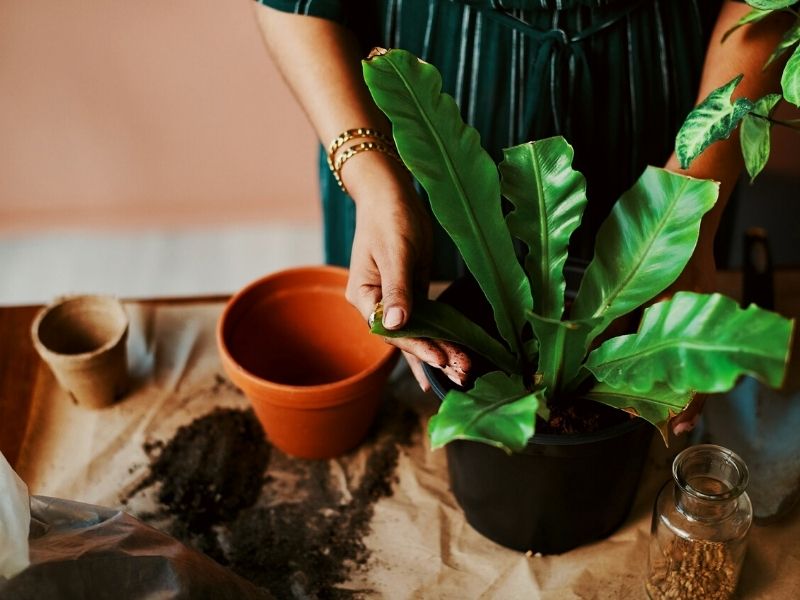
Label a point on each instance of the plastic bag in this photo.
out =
(15, 518)
(80, 551)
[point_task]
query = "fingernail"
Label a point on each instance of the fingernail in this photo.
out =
(453, 376)
(392, 317)
(684, 427)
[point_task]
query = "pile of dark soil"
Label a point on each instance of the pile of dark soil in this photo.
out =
(281, 522)
(578, 415)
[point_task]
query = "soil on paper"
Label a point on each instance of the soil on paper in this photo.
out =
(295, 527)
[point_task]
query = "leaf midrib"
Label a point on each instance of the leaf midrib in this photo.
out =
(637, 397)
(472, 219)
(686, 344)
(602, 310)
(544, 234)
(489, 408)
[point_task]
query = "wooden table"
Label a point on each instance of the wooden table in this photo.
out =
(19, 363)
(19, 366)
(613, 565)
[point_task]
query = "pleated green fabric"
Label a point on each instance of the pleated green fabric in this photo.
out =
(615, 77)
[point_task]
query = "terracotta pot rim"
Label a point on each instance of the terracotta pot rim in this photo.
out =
(44, 350)
(253, 380)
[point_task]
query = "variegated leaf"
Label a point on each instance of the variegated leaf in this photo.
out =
(790, 38)
(790, 80)
(754, 136)
(753, 16)
(770, 4)
(712, 120)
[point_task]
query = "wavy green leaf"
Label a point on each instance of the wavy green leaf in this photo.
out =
(562, 350)
(643, 245)
(548, 198)
(770, 4)
(753, 16)
(754, 136)
(712, 120)
(790, 80)
(790, 38)
(440, 321)
(656, 406)
(696, 342)
(498, 411)
(461, 179)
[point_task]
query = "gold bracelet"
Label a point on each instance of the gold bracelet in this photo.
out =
(350, 134)
(350, 152)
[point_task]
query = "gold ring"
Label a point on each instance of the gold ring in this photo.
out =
(376, 314)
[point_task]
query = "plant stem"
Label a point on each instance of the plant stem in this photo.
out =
(793, 124)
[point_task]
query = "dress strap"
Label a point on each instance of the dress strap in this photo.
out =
(555, 45)
(509, 20)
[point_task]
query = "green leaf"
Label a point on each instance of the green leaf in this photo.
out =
(461, 179)
(712, 120)
(498, 411)
(532, 350)
(770, 4)
(562, 350)
(790, 38)
(753, 16)
(790, 80)
(696, 342)
(440, 321)
(656, 406)
(643, 245)
(548, 198)
(754, 136)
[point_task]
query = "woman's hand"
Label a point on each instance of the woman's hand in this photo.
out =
(321, 62)
(390, 260)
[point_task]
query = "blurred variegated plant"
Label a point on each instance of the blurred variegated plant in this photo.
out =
(691, 343)
(717, 117)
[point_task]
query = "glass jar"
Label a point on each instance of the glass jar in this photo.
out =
(699, 528)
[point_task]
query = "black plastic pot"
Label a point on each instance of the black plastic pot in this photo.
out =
(561, 491)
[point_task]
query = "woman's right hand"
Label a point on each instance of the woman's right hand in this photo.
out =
(390, 258)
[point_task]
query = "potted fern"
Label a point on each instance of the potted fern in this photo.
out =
(514, 481)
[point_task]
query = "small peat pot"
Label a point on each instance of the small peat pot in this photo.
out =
(305, 359)
(83, 341)
(562, 490)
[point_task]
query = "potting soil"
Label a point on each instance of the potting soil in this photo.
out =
(295, 527)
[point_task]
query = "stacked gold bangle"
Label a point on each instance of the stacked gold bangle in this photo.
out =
(338, 154)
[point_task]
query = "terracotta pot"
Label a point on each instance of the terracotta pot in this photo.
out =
(305, 359)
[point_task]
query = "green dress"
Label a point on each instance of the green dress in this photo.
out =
(615, 77)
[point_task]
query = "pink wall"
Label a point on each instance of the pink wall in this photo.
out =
(146, 114)
(152, 113)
